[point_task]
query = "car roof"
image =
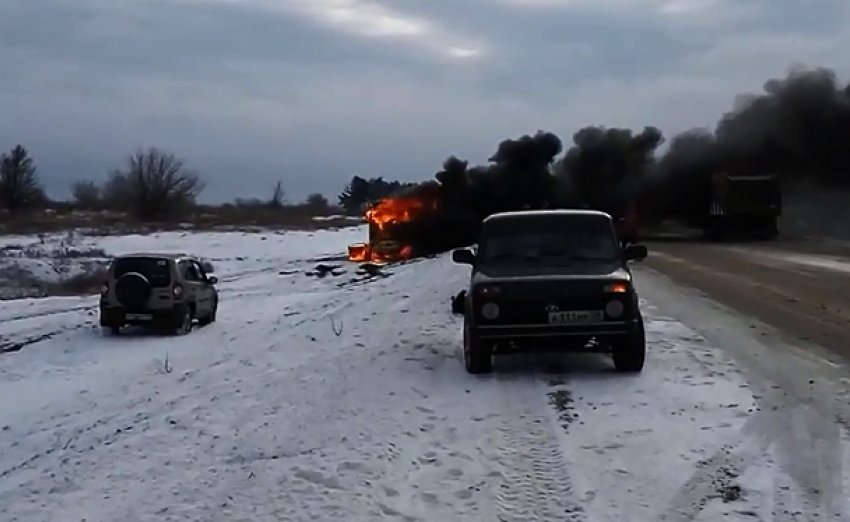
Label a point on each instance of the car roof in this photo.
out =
(159, 255)
(546, 213)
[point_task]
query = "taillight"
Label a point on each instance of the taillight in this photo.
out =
(177, 291)
(104, 288)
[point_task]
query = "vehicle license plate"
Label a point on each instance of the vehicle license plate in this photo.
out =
(139, 317)
(590, 316)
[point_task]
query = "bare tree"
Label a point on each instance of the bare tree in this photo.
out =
(115, 191)
(86, 194)
(154, 185)
(20, 188)
(278, 198)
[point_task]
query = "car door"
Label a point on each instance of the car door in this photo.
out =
(206, 291)
(194, 287)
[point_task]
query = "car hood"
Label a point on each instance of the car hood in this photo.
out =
(534, 272)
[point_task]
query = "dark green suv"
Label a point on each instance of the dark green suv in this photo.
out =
(553, 280)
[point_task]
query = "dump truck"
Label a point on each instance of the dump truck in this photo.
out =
(742, 204)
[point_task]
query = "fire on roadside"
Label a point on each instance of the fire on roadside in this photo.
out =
(359, 252)
(390, 211)
(380, 252)
(398, 210)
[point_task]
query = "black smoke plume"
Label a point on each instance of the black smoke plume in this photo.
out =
(797, 127)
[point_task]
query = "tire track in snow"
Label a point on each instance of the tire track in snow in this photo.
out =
(46, 313)
(230, 278)
(536, 484)
(811, 394)
(29, 336)
(61, 433)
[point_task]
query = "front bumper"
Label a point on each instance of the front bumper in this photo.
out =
(585, 338)
(538, 331)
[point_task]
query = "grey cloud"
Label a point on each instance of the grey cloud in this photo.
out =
(252, 95)
(166, 37)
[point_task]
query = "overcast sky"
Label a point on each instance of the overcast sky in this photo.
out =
(311, 92)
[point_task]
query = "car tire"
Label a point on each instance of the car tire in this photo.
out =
(183, 320)
(477, 356)
(210, 318)
(112, 330)
(629, 351)
(459, 302)
(768, 231)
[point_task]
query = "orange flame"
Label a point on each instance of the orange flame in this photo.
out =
(398, 210)
(358, 252)
(390, 211)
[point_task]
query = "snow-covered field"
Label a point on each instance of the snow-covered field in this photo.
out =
(29, 263)
(343, 398)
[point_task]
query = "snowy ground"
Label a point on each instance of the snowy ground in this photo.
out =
(343, 398)
(28, 263)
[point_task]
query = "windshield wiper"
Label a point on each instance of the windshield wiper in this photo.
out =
(593, 258)
(512, 257)
(575, 257)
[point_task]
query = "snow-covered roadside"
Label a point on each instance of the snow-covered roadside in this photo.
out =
(270, 415)
(28, 263)
(235, 255)
(790, 459)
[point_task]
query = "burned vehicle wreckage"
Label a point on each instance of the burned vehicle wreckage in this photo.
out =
(551, 280)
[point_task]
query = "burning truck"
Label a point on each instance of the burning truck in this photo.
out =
(384, 219)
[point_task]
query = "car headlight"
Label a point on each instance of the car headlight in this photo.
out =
(487, 291)
(490, 311)
(614, 309)
(619, 287)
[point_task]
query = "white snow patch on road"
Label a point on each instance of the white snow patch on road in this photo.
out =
(823, 262)
(271, 414)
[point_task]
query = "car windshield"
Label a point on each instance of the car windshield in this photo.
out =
(156, 270)
(553, 245)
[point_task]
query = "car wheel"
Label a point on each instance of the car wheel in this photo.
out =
(210, 318)
(477, 356)
(629, 351)
(459, 302)
(112, 330)
(184, 321)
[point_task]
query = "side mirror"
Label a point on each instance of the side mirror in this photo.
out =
(463, 256)
(213, 280)
(635, 253)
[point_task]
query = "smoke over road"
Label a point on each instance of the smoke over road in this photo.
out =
(798, 127)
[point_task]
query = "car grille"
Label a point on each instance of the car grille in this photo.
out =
(519, 306)
(553, 290)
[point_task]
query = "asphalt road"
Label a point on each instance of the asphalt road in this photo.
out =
(778, 283)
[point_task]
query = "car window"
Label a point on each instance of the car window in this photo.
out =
(554, 244)
(190, 272)
(200, 269)
(156, 270)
